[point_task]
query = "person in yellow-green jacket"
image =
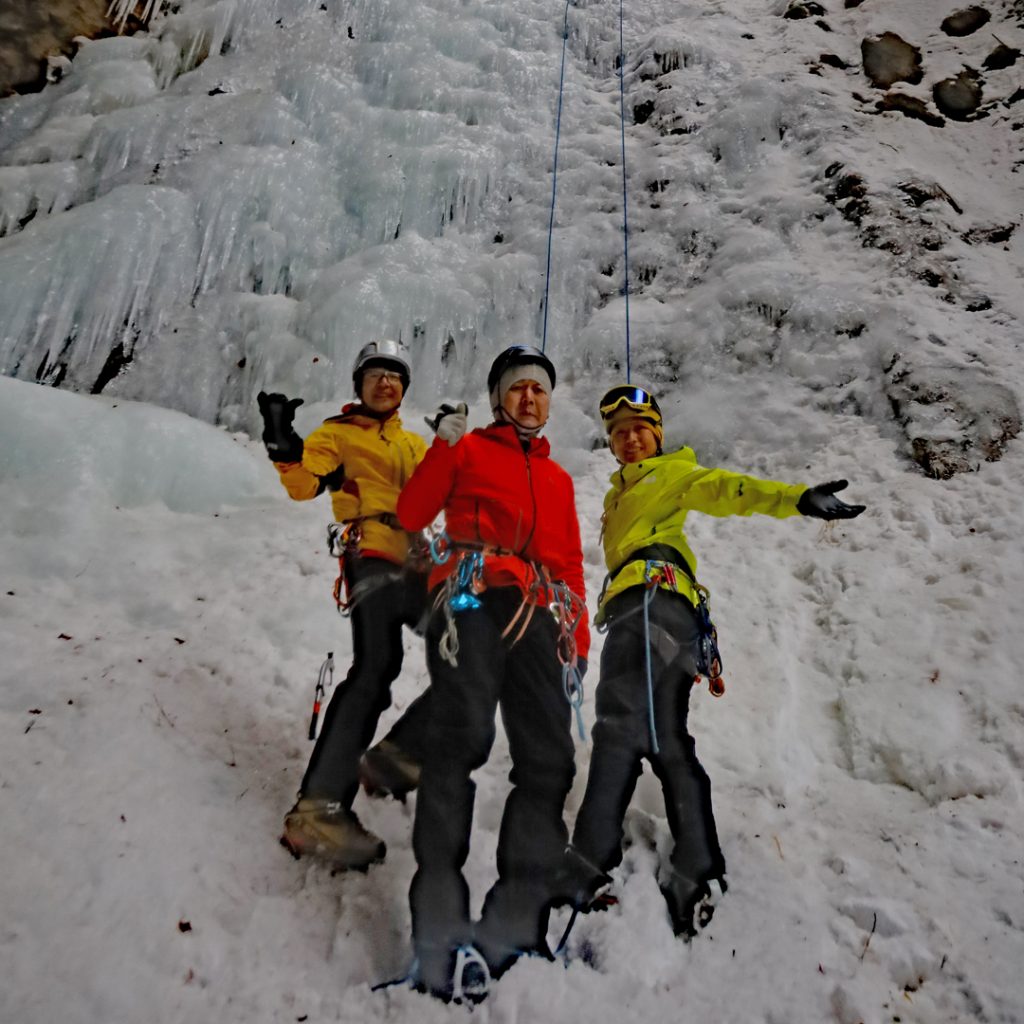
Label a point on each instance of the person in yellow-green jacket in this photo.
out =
(659, 639)
(362, 457)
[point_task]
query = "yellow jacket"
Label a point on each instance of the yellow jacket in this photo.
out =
(648, 502)
(364, 463)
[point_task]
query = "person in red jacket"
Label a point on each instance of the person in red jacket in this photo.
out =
(513, 551)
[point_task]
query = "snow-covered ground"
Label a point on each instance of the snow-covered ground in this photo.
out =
(165, 607)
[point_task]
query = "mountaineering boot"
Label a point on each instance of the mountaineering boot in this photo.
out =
(324, 829)
(577, 882)
(693, 912)
(385, 770)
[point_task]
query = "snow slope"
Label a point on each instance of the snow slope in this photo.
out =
(165, 607)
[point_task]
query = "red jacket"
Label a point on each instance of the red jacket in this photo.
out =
(495, 493)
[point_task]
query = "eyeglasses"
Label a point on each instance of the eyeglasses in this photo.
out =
(376, 376)
(637, 399)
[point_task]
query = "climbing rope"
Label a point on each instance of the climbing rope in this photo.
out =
(625, 214)
(554, 181)
(651, 587)
(554, 175)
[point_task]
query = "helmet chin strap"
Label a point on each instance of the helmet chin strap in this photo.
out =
(501, 414)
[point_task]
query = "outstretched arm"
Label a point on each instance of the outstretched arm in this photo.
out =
(821, 502)
(719, 492)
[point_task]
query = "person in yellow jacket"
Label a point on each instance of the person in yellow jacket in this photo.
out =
(659, 639)
(363, 457)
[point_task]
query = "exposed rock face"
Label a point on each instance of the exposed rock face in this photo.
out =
(888, 59)
(911, 106)
(958, 97)
(804, 9)
(963, 23)
(1001, 57)
(30, 32)
(955, 417)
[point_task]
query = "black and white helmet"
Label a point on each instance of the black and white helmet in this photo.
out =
(391, 355)
(513, 358)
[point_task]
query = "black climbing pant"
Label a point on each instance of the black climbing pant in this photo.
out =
(386, 598)
(622, 739)
(525, 681)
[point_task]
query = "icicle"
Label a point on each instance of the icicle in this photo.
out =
(119, 10)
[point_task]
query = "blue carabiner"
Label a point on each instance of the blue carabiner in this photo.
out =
(470, 570)
(440, 548)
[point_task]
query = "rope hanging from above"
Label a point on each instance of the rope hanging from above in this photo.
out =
(625, 205)
(554, 181)
(554, 174)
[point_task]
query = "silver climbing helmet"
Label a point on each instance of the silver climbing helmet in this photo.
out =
(390, 355)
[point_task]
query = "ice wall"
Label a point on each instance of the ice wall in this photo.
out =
(242, 197)
(351, 164)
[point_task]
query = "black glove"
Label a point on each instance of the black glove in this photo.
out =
(821, 502)
(278, 412)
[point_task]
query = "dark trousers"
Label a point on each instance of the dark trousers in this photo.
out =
(525, 682)
(391, 598)
(622, 739)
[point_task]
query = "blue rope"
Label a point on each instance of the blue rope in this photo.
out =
(554, 175)
(650, 679)
(573, 687)
(625, 217)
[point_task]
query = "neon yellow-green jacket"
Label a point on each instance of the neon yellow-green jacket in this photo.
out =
(364, 462)
(648, 502)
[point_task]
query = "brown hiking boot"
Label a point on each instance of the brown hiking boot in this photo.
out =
(324, 829)
(385, 770)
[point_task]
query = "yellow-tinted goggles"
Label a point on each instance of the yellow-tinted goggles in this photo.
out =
(642, 402)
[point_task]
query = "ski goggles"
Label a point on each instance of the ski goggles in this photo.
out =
(637, 400)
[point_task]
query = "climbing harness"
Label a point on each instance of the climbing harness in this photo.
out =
(342, 543)
(709, 658)
(659, 574)
(343, 540)
(325, 676)
(460, 592)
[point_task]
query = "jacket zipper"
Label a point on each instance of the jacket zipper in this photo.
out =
(533, 502)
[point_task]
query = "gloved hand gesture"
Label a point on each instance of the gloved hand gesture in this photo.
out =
(449, 422)
(278, 412)
(821, 502)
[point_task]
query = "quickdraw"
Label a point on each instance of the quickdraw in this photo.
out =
(710, 659)
(343, 542)
(568, 609)
(326, 676)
